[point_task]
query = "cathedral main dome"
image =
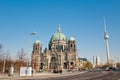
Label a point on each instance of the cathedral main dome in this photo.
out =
(58, 36)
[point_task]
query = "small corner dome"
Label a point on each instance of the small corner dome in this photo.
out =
(37, 41)
(72, 39)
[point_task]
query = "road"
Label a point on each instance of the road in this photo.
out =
(93, 75)
(98, 75)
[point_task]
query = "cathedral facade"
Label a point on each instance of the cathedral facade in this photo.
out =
(61, 53)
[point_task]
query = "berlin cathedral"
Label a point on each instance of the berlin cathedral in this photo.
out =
(61, 53)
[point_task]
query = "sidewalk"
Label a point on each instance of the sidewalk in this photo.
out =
(42, 75)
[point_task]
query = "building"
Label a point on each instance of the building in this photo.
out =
(81, 63)
(96, 62)
(61, 53)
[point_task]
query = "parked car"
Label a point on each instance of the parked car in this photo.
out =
(110, 69)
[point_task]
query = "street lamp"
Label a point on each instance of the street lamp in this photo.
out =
(29, 56)
(4, 61)
(33, 33)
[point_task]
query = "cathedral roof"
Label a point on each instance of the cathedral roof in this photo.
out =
(58, 36)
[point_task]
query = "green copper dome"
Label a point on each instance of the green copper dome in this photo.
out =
(37, 41)
(72, 39)
(58, 36)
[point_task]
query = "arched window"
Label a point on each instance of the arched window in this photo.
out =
(71, 45)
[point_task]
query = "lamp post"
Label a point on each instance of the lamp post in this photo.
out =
(28, 55)
(4, 62)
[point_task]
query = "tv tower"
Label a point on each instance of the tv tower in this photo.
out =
(106, 37)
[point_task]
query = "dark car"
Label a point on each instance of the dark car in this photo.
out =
(110, 69)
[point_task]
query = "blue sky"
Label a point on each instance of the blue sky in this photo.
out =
(82, 19)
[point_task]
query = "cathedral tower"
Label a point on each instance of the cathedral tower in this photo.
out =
(72, 44)
(36, 55)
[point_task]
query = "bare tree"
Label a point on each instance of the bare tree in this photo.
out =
(118, 65)
(21, 56)
(5, 59)
(1, 47)
(1, 52)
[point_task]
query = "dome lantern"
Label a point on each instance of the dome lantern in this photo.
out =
(59, 30)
